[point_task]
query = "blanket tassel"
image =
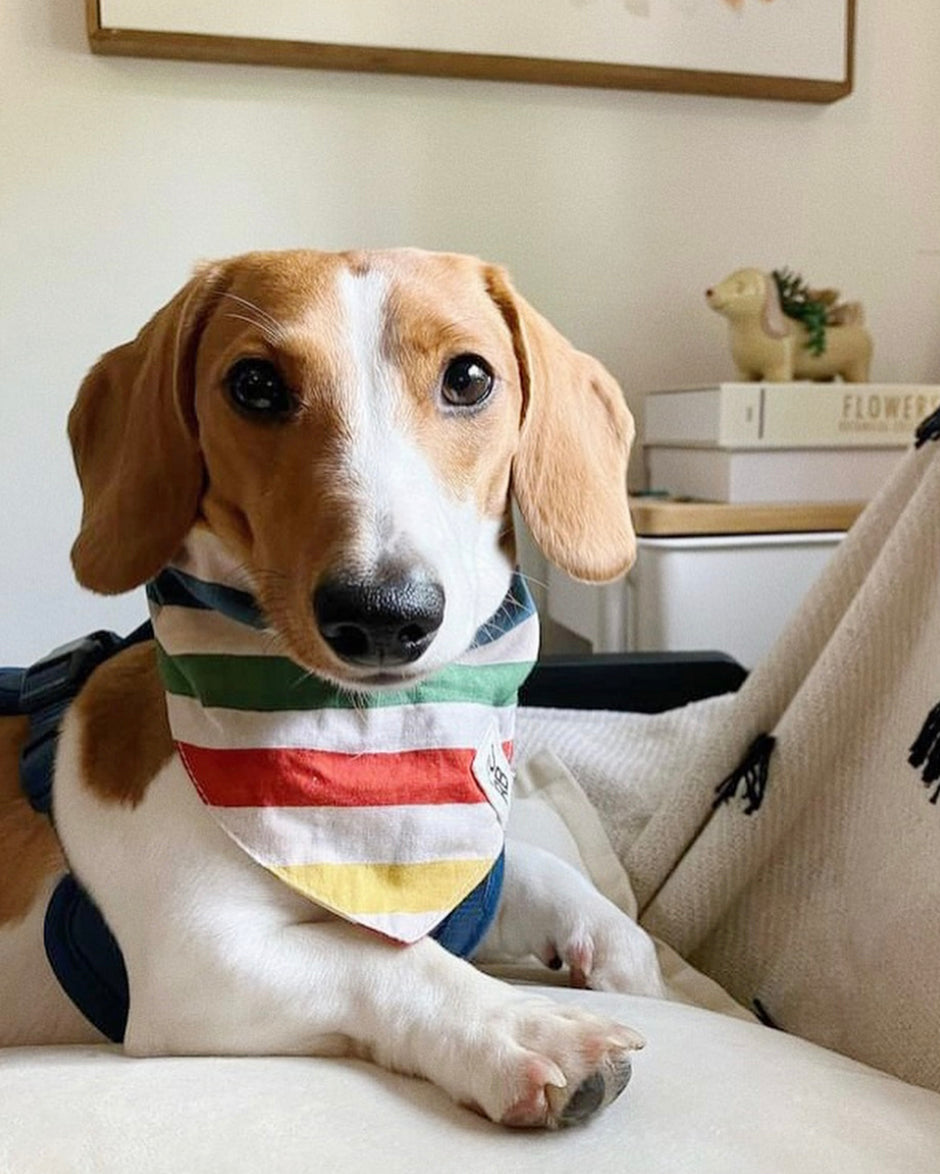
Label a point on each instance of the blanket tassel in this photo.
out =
(925, 752)
(752, 773)
(928, 429)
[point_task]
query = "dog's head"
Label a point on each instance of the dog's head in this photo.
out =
(749, 295)
(352, 427)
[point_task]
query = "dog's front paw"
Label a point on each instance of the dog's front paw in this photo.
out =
(558, 1065)
(609, 952)
(551, 910)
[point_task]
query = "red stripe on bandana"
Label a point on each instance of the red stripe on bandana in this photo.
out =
(311, 778)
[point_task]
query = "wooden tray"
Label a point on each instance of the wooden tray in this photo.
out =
(658, 518)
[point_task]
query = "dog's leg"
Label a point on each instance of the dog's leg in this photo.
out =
(549, 909)
(329, 988)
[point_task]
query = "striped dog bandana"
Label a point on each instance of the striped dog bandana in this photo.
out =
(386, 808)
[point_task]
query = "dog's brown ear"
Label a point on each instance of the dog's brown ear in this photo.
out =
(569, 474)
(133, 435)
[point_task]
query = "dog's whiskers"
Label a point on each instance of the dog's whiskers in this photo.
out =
(271, 584)
(274, 327)
(272, 336)
(526, 578)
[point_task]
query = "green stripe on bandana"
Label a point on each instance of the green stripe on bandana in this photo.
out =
(271, 683)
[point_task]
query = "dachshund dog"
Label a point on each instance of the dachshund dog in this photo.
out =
(277, 803)
(767, 345)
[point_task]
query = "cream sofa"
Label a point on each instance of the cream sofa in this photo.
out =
(710, 1094)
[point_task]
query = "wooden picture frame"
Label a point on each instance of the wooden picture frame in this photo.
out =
(809, 45)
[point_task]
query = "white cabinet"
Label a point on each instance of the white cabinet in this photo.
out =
(727, 592)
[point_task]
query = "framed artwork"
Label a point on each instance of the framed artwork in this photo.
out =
(799, 50)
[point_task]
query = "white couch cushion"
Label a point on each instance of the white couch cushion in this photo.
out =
(710, 1093)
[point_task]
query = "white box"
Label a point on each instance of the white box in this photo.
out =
(764, 475)
(729, 593)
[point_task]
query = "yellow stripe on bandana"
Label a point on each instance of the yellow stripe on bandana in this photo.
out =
(353, 889)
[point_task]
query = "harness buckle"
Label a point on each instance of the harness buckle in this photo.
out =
(58, 676)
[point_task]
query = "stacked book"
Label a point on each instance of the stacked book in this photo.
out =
(776, 442)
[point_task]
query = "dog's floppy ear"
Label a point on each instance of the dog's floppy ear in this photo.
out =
(569, 473)
(133, 435)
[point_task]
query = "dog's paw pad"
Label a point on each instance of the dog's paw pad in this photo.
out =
(594, 1093)
(586, 1100)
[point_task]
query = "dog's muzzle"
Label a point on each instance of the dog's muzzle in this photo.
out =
(381, 621)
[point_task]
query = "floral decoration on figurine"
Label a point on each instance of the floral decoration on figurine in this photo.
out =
(782, 330)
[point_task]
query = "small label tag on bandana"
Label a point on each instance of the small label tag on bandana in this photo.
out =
(492, 771)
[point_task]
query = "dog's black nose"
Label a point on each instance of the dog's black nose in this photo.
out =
(387, 620)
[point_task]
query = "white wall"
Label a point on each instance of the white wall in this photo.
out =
(614, 210)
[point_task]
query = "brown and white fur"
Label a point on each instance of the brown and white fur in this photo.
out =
(373, 469)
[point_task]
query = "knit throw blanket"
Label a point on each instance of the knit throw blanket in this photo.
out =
(786, 839)
(387, 808)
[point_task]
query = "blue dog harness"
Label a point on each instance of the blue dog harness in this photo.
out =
(81, 949)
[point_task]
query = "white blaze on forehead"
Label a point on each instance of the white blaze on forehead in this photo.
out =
(403, 508)
(363, 298)
(388, 470)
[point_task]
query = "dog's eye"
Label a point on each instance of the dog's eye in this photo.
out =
(256, 387)
(468, 380)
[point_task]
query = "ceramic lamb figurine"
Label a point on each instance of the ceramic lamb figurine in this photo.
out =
(768, 345)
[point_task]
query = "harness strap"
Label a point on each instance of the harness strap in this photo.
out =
(86, 958)
(45, 691)
(464, 928)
